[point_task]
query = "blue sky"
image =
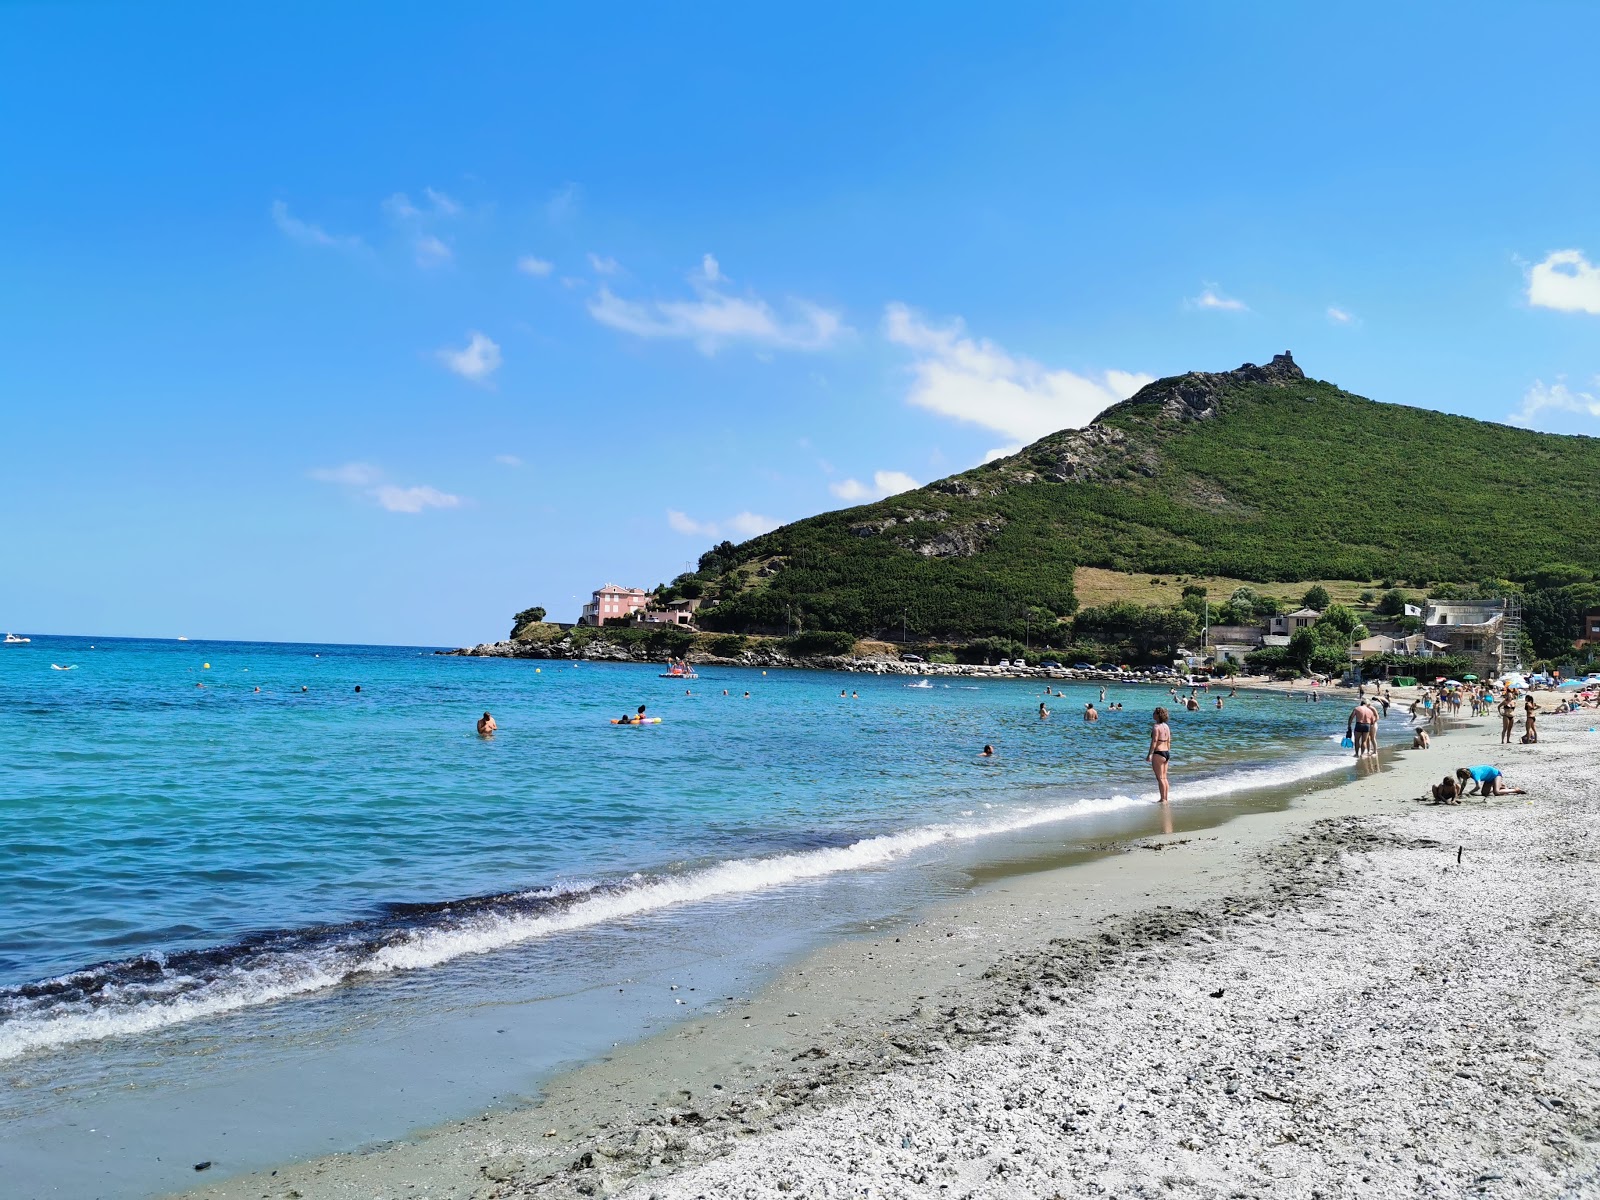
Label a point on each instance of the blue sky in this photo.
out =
(380, 322)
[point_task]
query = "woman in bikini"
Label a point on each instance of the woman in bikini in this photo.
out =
(1159, 756)
(1508, 718)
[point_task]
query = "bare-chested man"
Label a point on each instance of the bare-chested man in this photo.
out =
(1362, 729)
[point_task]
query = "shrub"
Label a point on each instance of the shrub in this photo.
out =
(819, 641)
(1316, 597)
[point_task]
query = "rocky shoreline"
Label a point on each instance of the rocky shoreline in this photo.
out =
(771, 656)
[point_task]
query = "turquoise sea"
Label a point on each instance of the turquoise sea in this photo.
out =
(225, 872)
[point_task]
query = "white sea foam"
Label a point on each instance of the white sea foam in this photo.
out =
(301, 974)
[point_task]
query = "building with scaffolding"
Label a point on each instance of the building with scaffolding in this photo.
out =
(1489, 632)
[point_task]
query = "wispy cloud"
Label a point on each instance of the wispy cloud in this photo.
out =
(308, 234)
(563, 204)
(353, 474)
(976, 381)
(603, 265)
(508, 460)
(442, 204)
(1556, 398)
(477, 360)
(1565, 281)
(530, 264)
(884, 483)
(412, 499)
(431, 251)
(744, 524)
(1213, 299)
(428, 248)
(367, 481)
(715, 318)
(1339, 316)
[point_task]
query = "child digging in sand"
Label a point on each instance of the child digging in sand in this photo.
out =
(1484, 781)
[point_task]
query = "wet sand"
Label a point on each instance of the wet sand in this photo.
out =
(925, 1054)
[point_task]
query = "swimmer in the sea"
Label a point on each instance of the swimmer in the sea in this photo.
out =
(1089, 713)
(988, 752)
(486, 726)
(1043, 711)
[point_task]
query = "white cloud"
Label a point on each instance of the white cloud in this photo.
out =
(715, 318)
(1213, 299)
(367, 480)
(529, 264)
(1566, 281)
(1001, 452)
(884, 483)
(563, 203)
(745, 524)
(684, 523)
(974, 380)
(749, 524)
(431, 251)
(477, 361)
(354, 474)
(508, 460)
(399, 209)
(604, 266)
(1339, 316)
(1558, 397)
(308, 234)
(442, 204)
(412, 499)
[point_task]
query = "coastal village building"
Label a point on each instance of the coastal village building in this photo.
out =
(1476, 629)
(1280, 628)
(1233, 642)
(1285, 625)
(1382, 643)
(613, 603)
(1589, 634)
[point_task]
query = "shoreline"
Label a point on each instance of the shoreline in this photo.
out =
(939, 980)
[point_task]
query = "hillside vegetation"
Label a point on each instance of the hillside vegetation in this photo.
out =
(1257, 474)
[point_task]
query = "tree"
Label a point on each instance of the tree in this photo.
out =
(528, 616)
(1368, 596)
(1316, 597)
(1392, 603)
(1302, 645)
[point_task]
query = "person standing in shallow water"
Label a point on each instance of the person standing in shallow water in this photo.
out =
(1159, 756)
(486, 726)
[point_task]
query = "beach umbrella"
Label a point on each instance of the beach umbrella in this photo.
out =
(1473, 678)
(1452, 683)
(1571, 683)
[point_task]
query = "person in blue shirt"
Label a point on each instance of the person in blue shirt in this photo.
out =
(1486, 781)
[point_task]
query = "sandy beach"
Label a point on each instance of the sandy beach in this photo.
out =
(1358, 995)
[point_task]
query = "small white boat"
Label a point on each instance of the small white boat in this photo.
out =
(183, 639)
(13, 640)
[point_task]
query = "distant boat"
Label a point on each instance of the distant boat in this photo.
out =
(679, 669)
(68, 667)
(183, 639)
(13, 640)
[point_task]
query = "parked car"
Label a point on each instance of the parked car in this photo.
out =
(912, 658)
(1050, 664)
(1083, 666)
(1107, 667)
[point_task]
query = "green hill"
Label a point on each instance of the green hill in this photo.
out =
(1258, 474)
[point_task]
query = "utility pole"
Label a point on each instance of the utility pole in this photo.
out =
(904, 613)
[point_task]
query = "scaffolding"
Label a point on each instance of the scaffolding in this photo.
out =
(1510, 647)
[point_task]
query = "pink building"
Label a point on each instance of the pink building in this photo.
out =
(613, 603)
